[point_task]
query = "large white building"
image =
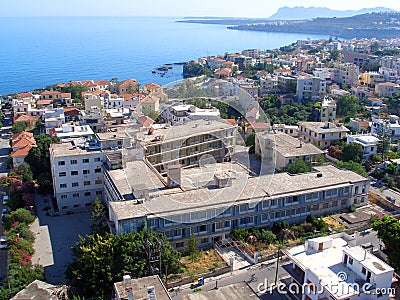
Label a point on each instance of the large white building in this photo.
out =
(331, 268)
(369, 143)
(77, 175)
(328, 110)
(178, 114)
(389, 127)
(322, 134)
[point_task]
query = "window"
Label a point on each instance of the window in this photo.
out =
(204, 240)
(63, 185)
(62, 174)
(99, 192)
(75, 184)
(273, 202)
(73, 161)
(97, 159)
(64, 196)
(350, 261)
(87, 194)
(88, 204)
(85, 160)
(202, 228)
(64, 207)
(74, 173)
(98, 170)
(61, 163)
(87, 182)
(76, 205)
(98, 181)
(86, 172)
(363, 270)
(75, 195)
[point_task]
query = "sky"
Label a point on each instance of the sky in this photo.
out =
(178, 8)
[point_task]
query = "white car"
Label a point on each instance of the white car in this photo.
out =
(3, 242)
(5, 199)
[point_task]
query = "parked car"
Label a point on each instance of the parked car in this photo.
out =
(5, 199)
(3, 214)
(3, 242)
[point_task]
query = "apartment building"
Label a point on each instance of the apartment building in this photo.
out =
(185, 144)
(387, 89)
(389, 127)
(322, 134)
(389, 75)
(53, 119)
(211, 200)
(371, 79)
(346, 73)
(283, 149)
(77, 175)
(331, 268)
(328, 110)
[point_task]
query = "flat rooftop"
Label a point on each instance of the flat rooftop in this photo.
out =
(167, 133)
(113, 134)
(199, 191)
(139, 288)
(328, 263)
(239, 290)
(322, 127)
(289, 146)
(71, 148)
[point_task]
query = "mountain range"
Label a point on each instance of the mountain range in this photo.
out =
(301, 12)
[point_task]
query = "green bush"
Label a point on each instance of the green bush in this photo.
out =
(240, 234)
(21, 215)
(352, 208)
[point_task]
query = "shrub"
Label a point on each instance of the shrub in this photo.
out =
(352, 208)
(21, 215)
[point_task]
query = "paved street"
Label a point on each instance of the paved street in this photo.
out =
(385, 192)
(54, 238)
(264, 273)
(4, 151)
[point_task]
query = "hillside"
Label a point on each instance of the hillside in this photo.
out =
(378, 25)
(301, 13)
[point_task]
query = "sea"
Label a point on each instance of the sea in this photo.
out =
(38, 51)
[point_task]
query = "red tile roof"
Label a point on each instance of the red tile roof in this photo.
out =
(23, 142)
(229, 121)
(145, 121)
(101, 82)
(22, 151)
(66, 95)
(25, 95)
(26, 117)
(44, 102)
(149, 99)
(152, 86)
(22, 134)
(46, 92)
(128, 82)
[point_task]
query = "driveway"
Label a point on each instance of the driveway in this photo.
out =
(55, 237)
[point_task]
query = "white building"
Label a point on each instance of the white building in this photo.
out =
(53, 119)
(178, 114)
(71, 131)
(328, 110)
(322, 134)
(391, 127)
(330, 268)
(369, 143)
(77, 175)
(283, 149)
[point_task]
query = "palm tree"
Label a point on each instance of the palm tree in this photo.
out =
(279, 247)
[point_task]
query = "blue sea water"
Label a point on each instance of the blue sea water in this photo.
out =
(38, 51)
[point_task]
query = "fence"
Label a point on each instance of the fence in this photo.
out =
(187, 280)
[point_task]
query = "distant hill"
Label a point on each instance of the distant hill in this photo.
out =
(301, 13)
(369, 25)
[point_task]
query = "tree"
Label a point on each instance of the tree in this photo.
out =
(352, 151)
(392, 168)
(24, 171)
(240, 234)
(335, 54)
(267, 236)
(101, 260)
(18, 127)
(251, 140)
(278, 226)
(388, 229)
(348, 106)
(192, 247)
(353, 166)
(384, 141)
(38, 159)
(21, 215)
(298, 166)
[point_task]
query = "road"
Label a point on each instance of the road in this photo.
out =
(264, 273)
(385, 192)
(4, 151)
